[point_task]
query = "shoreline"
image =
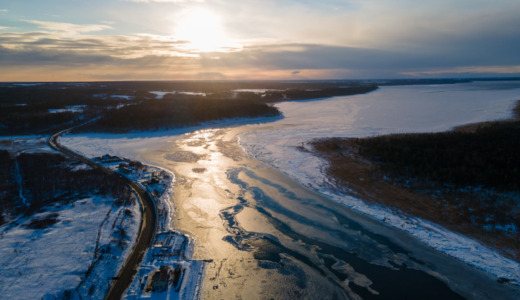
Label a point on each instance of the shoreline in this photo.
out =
(141, 142)
(430, 234)
(217, 249)
(362, 190)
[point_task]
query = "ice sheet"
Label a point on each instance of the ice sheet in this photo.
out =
(387, 110)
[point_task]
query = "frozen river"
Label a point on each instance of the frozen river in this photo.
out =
(269, 236)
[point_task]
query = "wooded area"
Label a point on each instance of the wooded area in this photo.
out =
(169, 113)
(47, 178)
(127, 106)
(489, 157)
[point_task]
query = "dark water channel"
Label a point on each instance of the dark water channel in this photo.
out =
(396, 276)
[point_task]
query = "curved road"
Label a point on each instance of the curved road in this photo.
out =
(147, 228)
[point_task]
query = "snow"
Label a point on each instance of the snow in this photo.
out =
(193, 93)
(28, 84)
(161, 94)
(256, 91)
(53, 262)
(19, 182)
(46, 262)
(388, 110)
(192, 269)
(71, 108)
(126, 97)
(179, 246)
(131, 145)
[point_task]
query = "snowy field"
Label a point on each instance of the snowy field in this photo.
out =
(51, 262)
(67, 249)
(388, 110)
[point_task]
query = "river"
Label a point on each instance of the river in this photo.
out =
(270, 237)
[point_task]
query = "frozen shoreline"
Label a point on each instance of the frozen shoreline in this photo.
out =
(278, 148)
(454, 244)
(189, 286)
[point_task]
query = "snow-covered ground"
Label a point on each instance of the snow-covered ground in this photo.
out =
(25, 143)
(132, 145)
(38, 263)
(67, 249)
(388, 110)
(171, 247)
(71, 108)
(161, 94)
(125, 97)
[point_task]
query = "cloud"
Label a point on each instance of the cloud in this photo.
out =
(165, 1)
(469, 70)
(67, 28)
(76, 43)
(153, 57)
(357, 39)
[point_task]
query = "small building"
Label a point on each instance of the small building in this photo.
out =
(107, 158)
(124, 168)
(154, 178)
(160, 280)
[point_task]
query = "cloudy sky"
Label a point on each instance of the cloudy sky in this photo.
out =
(77, 40)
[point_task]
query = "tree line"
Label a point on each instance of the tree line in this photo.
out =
(488, 157)
(178, 112)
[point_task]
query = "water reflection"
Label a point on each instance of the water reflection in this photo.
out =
(269, 237)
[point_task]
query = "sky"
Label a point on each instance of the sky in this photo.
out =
(96, 40)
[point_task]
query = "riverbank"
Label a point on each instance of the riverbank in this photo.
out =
(486, 210)
(171, 250)
(286, 145)
(262, 235)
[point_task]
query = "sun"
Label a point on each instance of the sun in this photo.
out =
(204, 31)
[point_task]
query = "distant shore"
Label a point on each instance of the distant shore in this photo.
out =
(452, 207)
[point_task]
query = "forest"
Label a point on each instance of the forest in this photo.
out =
(44, 108)
(177, 112)
(48, 178)
(488, 157)
(27, 109)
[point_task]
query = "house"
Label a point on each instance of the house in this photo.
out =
(107, 158)
(124, 168)
(154, 178)
(161, 279)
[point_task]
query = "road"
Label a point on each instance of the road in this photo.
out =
(147, 228)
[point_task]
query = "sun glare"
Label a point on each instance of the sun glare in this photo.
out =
(204, 31)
